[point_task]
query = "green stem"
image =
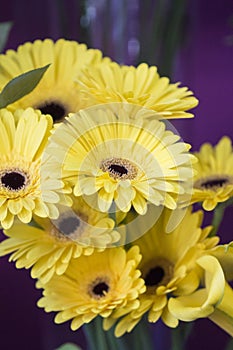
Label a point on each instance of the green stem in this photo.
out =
(180, 336)
(229, 345)
(97, 338)
(145, 335)
(116, 343)
(90, 336)
(218, 216)
(101, 339)
(5, 28)
(172, 36)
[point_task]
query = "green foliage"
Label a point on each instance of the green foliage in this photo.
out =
(165, 22)
(229, 345)
(140, 338)
(21, 86)
(5, 28)
(180, 335)
(69, 346)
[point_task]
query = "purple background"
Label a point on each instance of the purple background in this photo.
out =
(204, 64)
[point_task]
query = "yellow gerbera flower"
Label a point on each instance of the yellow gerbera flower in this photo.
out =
(128, 162)
(94, 285)
(184, 278)
(23, 189)
(213, 182)
(190, 307)
(142, 85)
(56, 94)
(48, 249)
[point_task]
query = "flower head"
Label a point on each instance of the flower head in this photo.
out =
(48, 249)
(94, 285)
(23, 189)
(142, 85)
(56, 94)
(182, 272)
(213, 182)
(130, 163)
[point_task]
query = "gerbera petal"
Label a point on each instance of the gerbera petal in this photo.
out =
(15, 206)
(21, 192)
(140, 86)
(57, 93)
(104, 200)
(201, 303)
(49, 248)
(25, 215)
(175, 266)
(213, 180)
(93, 287)
(115, 157)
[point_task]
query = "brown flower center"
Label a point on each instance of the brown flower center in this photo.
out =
(99, 288)
(55, 109)
(13, 180)
(69, 226)
(154, 276)
(157, 272)
(119, 168)
(213, 182)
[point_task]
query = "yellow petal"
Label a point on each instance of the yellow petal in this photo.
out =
(15, 206)
(169, 319)
(7, 222)
(104, 200)
(140, 204)
(201, 303)
(224, 254)
(223, 314)
(25, 216)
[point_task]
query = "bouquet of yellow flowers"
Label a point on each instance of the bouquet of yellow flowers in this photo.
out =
(98, 194)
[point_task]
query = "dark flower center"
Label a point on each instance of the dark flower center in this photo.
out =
(68, 225)
(100, 289)
(118, 169)
(55, 109)
(157, 272)
(214, 183)
(13, 180)
(154, 276)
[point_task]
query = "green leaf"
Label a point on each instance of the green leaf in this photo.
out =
(5, 28)
(230, 345)
(21, 86)
(69, 346)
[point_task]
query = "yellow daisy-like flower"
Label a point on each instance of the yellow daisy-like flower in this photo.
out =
(56, 94)
(48, 249)
(184, 278)
(23, 189)
(126, 162)
(142, 85)
(94, 285)
(213, 182)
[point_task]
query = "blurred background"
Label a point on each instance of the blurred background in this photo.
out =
(190, 41)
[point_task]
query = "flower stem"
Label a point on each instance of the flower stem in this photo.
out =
(223, 313)
(97, 338)
(180, 336)
(218, 216)
(89, 335)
